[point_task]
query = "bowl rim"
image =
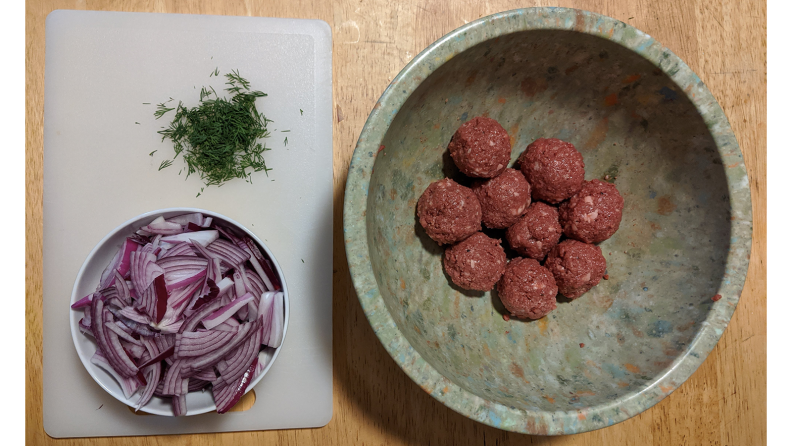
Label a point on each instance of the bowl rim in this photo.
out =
(74, 317)
(539, 422)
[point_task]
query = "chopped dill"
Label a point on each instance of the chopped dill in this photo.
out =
(285, 131)
(286, 141)
(301, 112)
(219, 138)
(147, 103)
(152, 153)
(164, 164)
(137, 123)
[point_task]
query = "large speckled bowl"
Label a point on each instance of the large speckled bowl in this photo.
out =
(677, 265)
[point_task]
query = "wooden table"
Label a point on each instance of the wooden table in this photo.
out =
(724, 41)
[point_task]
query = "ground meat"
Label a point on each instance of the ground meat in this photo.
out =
(503, 199)
(480, 148)
(554, 168)
(476, 263)
(594, 213)
(576, 266)
(527, 289)
(449, 212)
(536, 233)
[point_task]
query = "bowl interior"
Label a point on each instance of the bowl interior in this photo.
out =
(631, 122)
(88, 278)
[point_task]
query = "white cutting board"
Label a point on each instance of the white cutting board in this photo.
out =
(100, 69)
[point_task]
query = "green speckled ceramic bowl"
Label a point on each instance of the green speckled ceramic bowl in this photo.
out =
(639, 115)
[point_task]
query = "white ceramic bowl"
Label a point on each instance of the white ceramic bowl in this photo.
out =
(87, 279)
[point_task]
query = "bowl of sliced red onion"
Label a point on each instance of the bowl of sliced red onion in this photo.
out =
(179, 311)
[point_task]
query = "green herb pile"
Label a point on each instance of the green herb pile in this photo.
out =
(219, 139)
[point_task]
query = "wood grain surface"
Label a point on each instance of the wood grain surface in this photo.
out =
(375, 403)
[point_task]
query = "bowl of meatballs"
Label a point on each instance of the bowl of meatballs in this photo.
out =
(547, 221)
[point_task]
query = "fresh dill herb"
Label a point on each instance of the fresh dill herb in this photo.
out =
(286, 141)
(137, 123)
(301, 112)
(165, 164)
(285, 131)
(152, 153)
(219, 139)
(147, 103)
(216, 72)
(199, 194)
(302, 260)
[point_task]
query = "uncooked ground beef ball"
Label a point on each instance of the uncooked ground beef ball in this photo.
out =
(480, 148)
(594, 213)
(536, 232)
(576, 266)
(449, 212)
(527, 289)
(503, 198)
(476, 263)
(554, 168)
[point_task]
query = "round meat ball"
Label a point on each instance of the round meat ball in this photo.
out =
(449, 212)
(536, 232)
(504, 199)
(480, 148)
(527, 289)
(594, 213)
(576, 266)
(476, 263)
(554, 168)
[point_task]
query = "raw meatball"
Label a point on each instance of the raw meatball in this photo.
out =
(476, 263)
(480, 148)
(536, 232)
(593, 214)
(554, 168)
(449, 212)
(527, 289)
(503, 199)
(576, 266)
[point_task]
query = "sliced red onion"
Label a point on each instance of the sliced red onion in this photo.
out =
(193, 320)
(173, 381)
(206, 374)
(182, 270)
(207, 223)
(182, 249)
(144, 269)
(122, 334)
(128, 385)
(135, 350)
(180, 404)
(228, 252)
(132, 314)
(82, 303)
(122, 289)
(159, 357)
(163, 228)
(262, 266)
(198, 343)
(241, 359)
(276, 333)
(228, 396)
(184, 219)
(201, 362)
(109, 346)
(202, 251)
(197, 384)
(136, 327)
(256, 283)
(227, 311)
(152, 377)
(203, 237)
(120, 263)
(85, 327)
(264, 358)
(265, 311)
